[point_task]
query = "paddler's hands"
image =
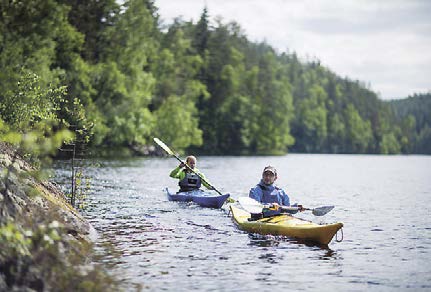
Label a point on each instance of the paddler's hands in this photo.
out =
(300, 208)
(182, 164)
(275, 206)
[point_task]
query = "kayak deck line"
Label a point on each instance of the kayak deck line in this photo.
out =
(286, 225)
(279, 216)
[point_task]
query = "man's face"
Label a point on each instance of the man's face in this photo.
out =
(268, 177)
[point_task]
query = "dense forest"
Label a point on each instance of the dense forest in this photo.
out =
(415, 110)
(115, 76)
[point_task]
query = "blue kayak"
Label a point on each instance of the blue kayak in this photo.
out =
(200, 197)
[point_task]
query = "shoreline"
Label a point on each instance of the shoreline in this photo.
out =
(45, 243)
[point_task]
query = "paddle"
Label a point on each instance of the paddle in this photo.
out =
(254, 207)
(170, 152)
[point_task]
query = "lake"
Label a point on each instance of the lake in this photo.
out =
(153, 244)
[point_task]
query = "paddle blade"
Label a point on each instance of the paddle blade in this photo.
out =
(230, 200)
(250, 205)
(163, 145)
(320, 211)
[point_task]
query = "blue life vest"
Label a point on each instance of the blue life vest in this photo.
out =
(267, 194)
(190, 182)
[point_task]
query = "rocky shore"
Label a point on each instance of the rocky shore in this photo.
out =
(45, 244)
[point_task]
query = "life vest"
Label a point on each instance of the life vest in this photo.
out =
(270, 194)
(190, 182)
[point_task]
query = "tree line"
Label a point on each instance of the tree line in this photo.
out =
(117, 76)
(415, 111)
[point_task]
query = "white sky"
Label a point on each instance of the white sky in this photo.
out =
(383, 43)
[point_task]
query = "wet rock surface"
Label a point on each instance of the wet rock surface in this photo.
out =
(45, 244)
(22, 196)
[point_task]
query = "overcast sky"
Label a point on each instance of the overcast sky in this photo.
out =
(383, 43)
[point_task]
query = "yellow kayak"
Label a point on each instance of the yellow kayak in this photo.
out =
(286, 225)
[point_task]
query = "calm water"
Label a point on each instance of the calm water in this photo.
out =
(384, 202)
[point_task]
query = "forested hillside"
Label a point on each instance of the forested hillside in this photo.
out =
(116, 77)
(416, 111)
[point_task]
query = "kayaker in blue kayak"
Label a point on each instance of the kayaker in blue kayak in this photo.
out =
(189, 180)
(266, 192)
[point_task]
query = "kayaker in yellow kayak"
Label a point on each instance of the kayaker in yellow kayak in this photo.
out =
(266, 192)
(189, 180)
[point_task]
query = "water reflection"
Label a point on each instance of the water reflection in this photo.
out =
(270, 258)
(263, 240)
(272, 240)
(328, 255)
